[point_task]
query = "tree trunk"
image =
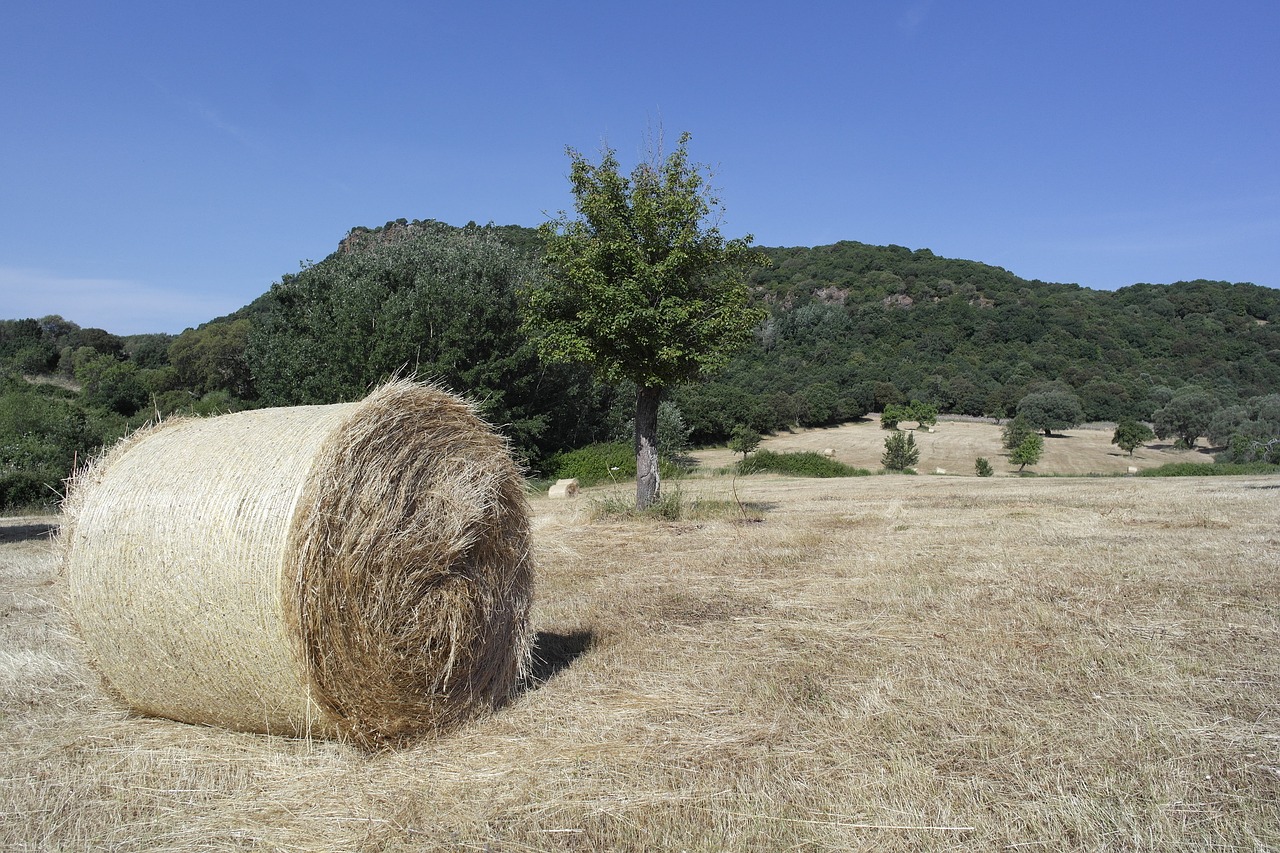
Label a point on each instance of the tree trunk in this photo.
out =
(647, 480)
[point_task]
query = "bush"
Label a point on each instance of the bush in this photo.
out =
(982, 467)
(797, 465)
(1209, 469)
(605, 462)
(900, 452)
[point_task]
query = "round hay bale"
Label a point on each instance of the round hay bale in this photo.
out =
(563, 489)
(359, 571)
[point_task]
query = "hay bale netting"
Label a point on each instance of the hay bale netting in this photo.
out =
(359, 570)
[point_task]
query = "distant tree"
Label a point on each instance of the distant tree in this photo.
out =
(1186, 417)
(111, 385)
(1014, 432)
(1028, 452)
(744, 440)
(1130, 434)
(212, 358)
(982, 467)
(1051, 410)
(900, 451)
(819, 405)
(98, 339)
(641, 286)
(893, 414)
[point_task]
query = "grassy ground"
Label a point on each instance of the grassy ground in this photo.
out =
(954, 445)
(882, 663)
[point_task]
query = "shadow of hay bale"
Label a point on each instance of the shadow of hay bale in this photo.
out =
(553, 653)
(25, 532)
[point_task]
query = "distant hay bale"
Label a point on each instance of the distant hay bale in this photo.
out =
(828, 452)
(563, 489)
(359, 571)
(939, 470)
(1133, 469)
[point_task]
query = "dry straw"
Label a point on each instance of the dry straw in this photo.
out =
(359, 570)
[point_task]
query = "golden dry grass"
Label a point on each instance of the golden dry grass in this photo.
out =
(882, 663)
(954, 445)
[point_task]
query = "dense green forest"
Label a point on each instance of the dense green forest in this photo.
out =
(851, 329)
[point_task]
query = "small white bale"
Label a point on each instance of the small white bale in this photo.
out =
(930, 429)
(828, 452)
(1132, 470)
(563, 489)
(939, 470)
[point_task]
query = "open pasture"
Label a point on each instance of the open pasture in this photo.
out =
(954, 445)
(881, 663)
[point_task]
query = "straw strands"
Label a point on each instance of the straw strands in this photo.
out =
(359, 570)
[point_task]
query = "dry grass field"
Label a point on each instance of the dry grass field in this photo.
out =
(880, 663)
(954, 445)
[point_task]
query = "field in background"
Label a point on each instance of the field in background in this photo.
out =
(954, 445)
(882, 663)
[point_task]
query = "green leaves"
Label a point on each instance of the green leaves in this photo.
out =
(641, 286)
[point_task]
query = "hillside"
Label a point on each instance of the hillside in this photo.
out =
(851, 328)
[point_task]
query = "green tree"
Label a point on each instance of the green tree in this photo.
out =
(900, 451)
(1051, 410)
(1014, 432)
(1186, 417)
(744, 440)
(893, 414)
(212, 358)
(642, 286)
(1130, 433)
(423, 298)
(1028, 452)
(982, 467)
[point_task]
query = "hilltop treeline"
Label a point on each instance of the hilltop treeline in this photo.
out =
(851, 328)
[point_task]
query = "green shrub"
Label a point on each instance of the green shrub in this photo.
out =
(1209, 469)
(982, 467)
(797, 465)
(603, 463)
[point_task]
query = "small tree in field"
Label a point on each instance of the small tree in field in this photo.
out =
(641, 285)
(1130, 433)
(1050, 410)
(1028, 452)
(900, 452)
(982, 467)
(744, 440)
(1014, 432)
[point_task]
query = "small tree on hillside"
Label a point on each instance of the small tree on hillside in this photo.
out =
(1028, 452)
(1130, 433)
(900, 452)
(641, 285)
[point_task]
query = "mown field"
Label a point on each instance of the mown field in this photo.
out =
(879, 663)
(954, 445)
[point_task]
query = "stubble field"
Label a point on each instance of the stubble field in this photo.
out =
(880, 663)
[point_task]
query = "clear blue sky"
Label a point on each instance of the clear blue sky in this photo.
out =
(164, 163)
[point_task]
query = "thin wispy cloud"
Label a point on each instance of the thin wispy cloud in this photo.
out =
(207, 114)
(118, 305)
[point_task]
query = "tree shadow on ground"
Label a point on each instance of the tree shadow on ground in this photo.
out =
(25, 532)
(554, 652)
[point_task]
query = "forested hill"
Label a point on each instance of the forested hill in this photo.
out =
(895, 324)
